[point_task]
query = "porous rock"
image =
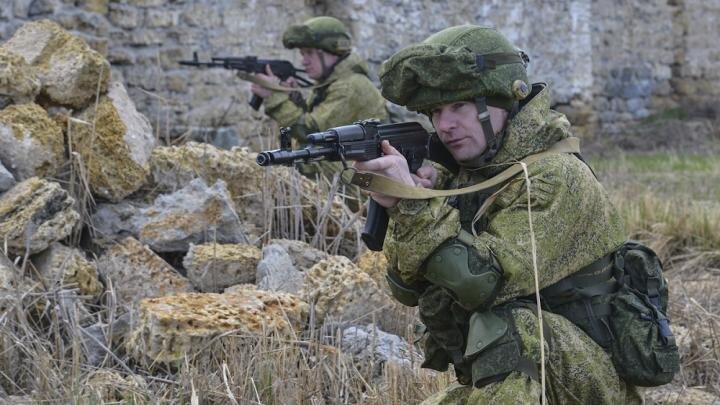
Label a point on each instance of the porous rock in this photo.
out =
(70, 72)
(7, 180)
(135, 272)
(170, 327)
(105, 385)
(18, 81)
(371, 347)
(34, 214)
(113, 222)
(173, 167)
(276, 272)
(31, 144)
(302, 254)
(213, 267)
(374, 264)
(252, 187)
(115, 144)
(60, 265)
(194, 214)
(342, 294)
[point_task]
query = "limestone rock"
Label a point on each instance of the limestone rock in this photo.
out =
(134, 272)
(7, 181)
(116, 150)
(18, 82)
(31, 144)
(344, 295)
(371, 347)
(276, 271)
(250, 185)
(69, 71)
(375, 265)
(169, 327)
(303, 255)
(105, 385)
(175, 166)
(34, 214)
(194, 214)
(61, 265)
(212, 267)
(113, 222)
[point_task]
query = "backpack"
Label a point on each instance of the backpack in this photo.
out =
(621, 301)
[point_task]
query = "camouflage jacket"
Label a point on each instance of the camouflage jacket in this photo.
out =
(346, 96)
(573, 220)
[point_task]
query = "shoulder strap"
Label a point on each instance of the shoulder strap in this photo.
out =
(385, 185)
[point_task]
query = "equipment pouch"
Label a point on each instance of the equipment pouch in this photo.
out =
(625, 313)
(641, 353)
(643, 348)
(494, 349)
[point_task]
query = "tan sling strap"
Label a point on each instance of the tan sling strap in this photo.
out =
(273, 86)
(387, 186)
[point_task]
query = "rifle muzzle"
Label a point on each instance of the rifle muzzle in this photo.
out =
(288, 157)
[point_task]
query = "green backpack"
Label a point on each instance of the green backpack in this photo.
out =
(620, 301)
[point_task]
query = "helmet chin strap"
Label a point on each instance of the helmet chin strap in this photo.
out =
(323, 65)
(492, 141)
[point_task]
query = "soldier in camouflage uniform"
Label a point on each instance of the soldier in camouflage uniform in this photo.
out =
(343, 94)
(467, 261)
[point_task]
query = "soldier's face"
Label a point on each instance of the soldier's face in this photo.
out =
(312, 61)
(459, 129)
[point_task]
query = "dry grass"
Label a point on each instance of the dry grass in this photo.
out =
(44, 343)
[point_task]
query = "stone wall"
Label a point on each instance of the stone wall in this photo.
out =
(608, 62)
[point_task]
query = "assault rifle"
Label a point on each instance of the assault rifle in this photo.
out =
(251, 64)
(361, 141)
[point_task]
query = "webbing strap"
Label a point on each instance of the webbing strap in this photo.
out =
(389, 187)
(587, 278)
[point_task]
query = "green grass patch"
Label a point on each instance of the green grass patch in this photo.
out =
(644, 163)
(669, 114)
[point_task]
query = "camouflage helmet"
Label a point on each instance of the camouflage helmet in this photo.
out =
(326, 33)
(456, 64)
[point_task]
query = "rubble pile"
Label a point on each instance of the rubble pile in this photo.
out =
(153, 251)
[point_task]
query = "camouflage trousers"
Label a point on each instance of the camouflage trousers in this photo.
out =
(578, 371)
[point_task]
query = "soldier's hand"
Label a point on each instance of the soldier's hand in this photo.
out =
(425, 176)
(269, 77)
(260, 91)
(290, 82)
(393, 165)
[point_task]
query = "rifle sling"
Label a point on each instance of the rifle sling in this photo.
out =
(387, 186)
(273, 86)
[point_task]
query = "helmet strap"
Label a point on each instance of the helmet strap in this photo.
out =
(492, 141)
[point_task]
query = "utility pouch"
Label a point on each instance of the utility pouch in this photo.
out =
(642, 354)
(620, 301)
(494, 348)
(643, 347)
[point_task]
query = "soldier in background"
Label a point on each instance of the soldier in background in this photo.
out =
(343, 93)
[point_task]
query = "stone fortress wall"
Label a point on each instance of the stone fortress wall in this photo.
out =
(609, 62)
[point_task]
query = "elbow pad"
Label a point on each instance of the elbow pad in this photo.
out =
(472, 280)
(405, 294)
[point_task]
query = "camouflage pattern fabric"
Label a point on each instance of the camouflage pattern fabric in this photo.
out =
(444, 68)
(326, 33)
(574, 223)
(577, 371)
(348, 96)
